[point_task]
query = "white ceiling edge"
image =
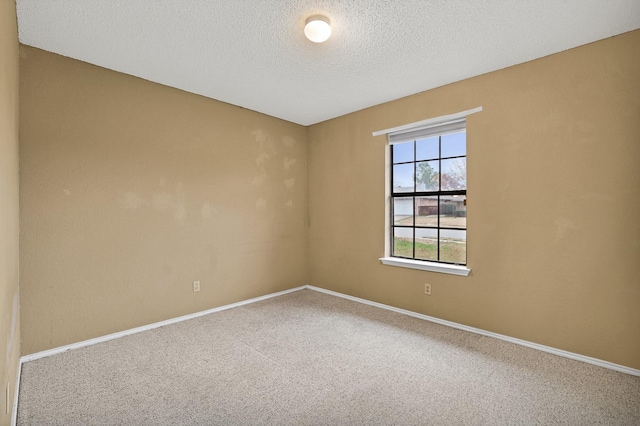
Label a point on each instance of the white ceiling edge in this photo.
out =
(253, 54)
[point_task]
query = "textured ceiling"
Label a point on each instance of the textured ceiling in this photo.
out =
(253, 53)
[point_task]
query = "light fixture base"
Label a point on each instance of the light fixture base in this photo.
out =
(317, 28)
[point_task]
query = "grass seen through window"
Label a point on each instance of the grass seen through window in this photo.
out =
(450, 250)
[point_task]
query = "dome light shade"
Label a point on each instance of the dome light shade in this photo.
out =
(317, 29)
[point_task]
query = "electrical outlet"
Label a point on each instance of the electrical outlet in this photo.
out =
(427, 289)
(196, 286)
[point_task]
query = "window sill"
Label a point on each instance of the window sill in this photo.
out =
(443, 268)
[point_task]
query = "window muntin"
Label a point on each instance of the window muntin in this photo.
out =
(428, 196)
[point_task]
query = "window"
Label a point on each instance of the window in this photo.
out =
(426, 226)
(429, 195)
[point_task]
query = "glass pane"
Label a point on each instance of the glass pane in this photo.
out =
(454, 145)
(453, 246)
(403, 242)
(402, 152)
(453, 211)
(427, 175)
(427, 211)
(403, 178)
(403, 211)
(427, 149)
(426, 244)
(454, 174)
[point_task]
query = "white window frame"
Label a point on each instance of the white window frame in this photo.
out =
(404, 132)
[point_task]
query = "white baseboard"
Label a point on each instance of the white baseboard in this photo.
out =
(123, 333)
(548, 349)
(14, 409)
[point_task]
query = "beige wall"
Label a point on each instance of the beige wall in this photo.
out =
(131, 190)
(9, 290)
(554, 203)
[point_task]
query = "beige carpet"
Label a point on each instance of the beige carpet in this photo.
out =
(307, 358)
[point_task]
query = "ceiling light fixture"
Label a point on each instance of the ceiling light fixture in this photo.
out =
(317, 28)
